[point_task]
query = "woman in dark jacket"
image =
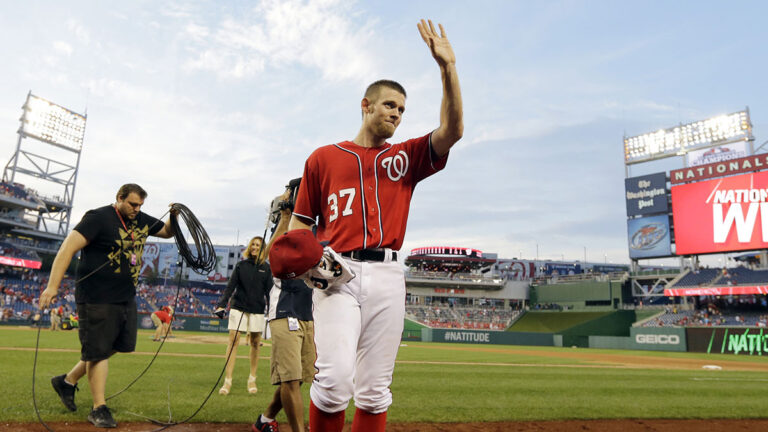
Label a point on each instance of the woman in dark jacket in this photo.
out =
(246, 294)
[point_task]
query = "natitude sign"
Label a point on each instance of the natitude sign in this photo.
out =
(721, 215)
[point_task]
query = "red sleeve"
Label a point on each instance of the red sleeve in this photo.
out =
(307, 200)
(424, 161)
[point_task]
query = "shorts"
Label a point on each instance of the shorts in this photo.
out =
(251, 323)
(293, 351)
(106, 328)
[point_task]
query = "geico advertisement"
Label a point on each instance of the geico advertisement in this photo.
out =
(739, 341)
(725, 214)
(658, 338)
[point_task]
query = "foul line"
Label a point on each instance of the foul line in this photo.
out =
(730, 379)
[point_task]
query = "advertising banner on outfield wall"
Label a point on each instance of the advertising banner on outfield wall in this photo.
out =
(738, 341)
(649, 237)
(721, 215)
(657, 338)
(188, 323)
(646, 194)
(487, 337)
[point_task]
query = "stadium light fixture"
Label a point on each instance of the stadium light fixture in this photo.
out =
(52, 123)
(681, 139)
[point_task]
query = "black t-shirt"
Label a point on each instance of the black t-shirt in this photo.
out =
(110, 249)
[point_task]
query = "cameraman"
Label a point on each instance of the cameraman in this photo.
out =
(292, 329)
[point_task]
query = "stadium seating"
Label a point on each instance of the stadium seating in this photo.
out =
(445, 316)
(698, 278)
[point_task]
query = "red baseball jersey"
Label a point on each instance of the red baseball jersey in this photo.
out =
(163, 315)
(360, 196)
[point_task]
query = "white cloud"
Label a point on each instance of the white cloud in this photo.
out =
(79, 31)
(62, 47)
(278, 34)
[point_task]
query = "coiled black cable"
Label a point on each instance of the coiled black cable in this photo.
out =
(203, 259)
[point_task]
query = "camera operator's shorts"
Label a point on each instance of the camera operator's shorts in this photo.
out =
(106, 328)
(293, 351)
(246, 322)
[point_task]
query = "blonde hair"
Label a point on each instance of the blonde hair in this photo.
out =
(247, 251)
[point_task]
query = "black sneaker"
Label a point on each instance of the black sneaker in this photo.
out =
(264, 427)
(65, 391)
(102, 417)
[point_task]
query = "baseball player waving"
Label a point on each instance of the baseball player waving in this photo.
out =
(358, 194)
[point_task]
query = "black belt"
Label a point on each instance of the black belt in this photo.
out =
(370, 255)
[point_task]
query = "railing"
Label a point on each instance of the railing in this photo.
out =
(456, 277)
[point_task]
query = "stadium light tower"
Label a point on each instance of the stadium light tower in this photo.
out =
(679, 140)
(46, 127)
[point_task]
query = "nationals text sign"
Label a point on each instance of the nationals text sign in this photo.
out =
(722, 215)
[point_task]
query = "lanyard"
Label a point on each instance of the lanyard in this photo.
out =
(133, 240)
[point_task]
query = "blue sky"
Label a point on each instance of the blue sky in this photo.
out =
(217, 104)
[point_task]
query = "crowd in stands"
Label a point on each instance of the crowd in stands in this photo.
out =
(28, 242)
(741, 275)
(192, 300)
(19, 292)
(548, 306)
(14, 190)
(743, 310)
(21, 288)
(449, 315)
(443, 270)
(10, 250)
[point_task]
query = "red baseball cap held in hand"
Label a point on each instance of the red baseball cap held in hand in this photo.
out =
(294, 253)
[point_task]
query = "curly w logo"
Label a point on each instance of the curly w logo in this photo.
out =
(396, 166)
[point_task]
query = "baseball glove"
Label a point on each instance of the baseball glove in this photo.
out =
(331, 272)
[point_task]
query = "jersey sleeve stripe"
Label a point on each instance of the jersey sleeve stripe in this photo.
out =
(309, 218)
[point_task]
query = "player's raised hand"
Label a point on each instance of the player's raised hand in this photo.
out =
(438, 43)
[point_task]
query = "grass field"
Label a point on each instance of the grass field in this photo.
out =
(553, 322)
(433, 382)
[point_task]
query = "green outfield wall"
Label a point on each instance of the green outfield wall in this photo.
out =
(553, 321)
(412, 330)
(644, 338)
(612, 324)
(579, 294)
